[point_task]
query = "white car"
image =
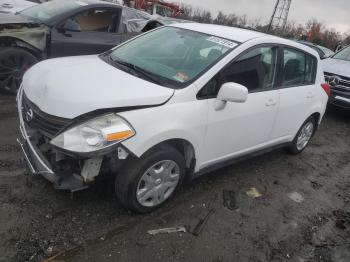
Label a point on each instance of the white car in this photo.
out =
(174, 103)
(337, 73)
(14, 6)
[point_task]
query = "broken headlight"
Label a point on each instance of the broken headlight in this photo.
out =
(94, 135)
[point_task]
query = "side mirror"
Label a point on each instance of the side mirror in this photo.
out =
(231, 92)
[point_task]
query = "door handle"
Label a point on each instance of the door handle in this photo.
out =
(67, 34)
(271, 102)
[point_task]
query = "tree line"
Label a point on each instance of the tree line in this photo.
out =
(313, 31)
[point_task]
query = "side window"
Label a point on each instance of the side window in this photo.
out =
(95, 20)
(210, 90)
(255, 70)
(298, 68)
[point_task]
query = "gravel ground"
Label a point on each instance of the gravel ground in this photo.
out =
(303, 213)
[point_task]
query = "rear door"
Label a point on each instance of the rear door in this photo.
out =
(243, 127)
(297, 91)
(90, 32)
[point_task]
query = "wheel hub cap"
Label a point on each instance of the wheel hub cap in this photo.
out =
(12, 69)
(158, 183)
(305, 135)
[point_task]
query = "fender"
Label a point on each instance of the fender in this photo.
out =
(152, 141)
(317, 108)
(185, 121)
(33, 39)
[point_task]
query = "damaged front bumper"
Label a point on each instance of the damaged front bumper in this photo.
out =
(72, 179)
(38, 165)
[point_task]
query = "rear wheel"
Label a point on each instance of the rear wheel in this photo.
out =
(14, 62)
(145, 184)
(303, 136)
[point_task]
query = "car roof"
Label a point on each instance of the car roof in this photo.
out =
(81, 5)
(239, 35)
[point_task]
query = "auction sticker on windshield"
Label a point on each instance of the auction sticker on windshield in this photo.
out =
(181, 77)
(222, 41)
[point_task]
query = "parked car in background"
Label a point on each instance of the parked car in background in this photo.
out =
(322, 51)
(170, 20)
(63, 28)
(14, 6)
(150, 117)
(337, 73)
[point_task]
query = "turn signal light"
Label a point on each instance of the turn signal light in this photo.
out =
(119, 135)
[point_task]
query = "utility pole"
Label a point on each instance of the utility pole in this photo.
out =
(279, 17)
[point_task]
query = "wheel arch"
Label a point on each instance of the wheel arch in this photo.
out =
(186, 149)
(10, 41)
(317, 117)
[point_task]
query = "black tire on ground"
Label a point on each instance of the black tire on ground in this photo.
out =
(14, 62)
(127, 181)
(293, 148)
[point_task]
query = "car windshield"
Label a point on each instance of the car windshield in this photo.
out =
(343, 54)
(46, 11)
(171, 56)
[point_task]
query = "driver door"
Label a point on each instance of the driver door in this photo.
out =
(91, 32)
(240, 128)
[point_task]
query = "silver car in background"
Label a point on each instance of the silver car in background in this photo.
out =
(337, 74)
(322, 51)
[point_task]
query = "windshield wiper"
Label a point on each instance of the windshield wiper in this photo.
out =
(139, 71)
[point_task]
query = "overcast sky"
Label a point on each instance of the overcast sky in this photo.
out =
(334, 13)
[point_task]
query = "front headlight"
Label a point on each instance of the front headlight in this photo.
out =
(93, 135)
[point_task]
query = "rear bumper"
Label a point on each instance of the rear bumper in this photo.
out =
(37, 162)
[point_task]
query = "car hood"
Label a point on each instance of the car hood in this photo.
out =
(70, 87)
(336, 66)
(13, 6)
(6, 19)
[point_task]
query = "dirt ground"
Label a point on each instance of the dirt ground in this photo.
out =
(303, 213)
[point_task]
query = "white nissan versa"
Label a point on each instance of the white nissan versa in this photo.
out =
(171, 104)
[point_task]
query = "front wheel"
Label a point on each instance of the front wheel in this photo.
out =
(303, 136)
(145, 184)
(14, 62)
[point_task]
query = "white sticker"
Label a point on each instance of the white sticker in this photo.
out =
(222, 41)
(81, 3)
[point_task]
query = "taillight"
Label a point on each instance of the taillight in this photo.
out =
(327, 88)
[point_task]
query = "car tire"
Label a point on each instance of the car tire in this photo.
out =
(147, 183)
(303, 136)
(14, 62)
